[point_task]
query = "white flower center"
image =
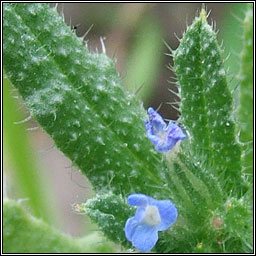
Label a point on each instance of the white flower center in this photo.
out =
(152, 216)
(161, 134)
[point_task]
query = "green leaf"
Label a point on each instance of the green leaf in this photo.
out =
(231, 28)
(77, 98)
(20, 160)
(23, 233)
(197, 194)
(245, 112)
(110, 212)
(206, 102)
(239, 223)
(200, 176)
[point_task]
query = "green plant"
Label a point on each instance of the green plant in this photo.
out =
(77, 98)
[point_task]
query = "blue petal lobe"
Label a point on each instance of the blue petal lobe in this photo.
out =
(140, 213)
(167, 211)
(144, 237)
(158, 125)
(130, 226)
(154, 139)
(166, 145)
(175, 132)
(137, 200)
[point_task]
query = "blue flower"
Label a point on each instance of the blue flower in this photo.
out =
(151, 216)
(162, 136)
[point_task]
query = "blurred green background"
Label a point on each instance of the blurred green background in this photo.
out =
(35, 172)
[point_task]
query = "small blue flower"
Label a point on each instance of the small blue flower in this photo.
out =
(162, 136)
(151, 216)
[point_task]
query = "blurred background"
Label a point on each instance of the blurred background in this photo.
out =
(133, 35)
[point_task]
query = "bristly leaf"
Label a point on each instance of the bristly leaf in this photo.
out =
(23, 233)
(206, 102)
(207, 170)
(26, 177)
(246, 92)
(110, 212)
(77, 97)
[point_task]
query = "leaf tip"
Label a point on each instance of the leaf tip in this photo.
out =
(203, 14)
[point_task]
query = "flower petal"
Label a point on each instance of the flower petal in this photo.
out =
(175, 132)
(137, 200)
(167, 211)
(157, 141)
(156, 121)
(133, 222)
(166, 145)
(140, 213)
(144, 237)
(163, 137)
(130, 226)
